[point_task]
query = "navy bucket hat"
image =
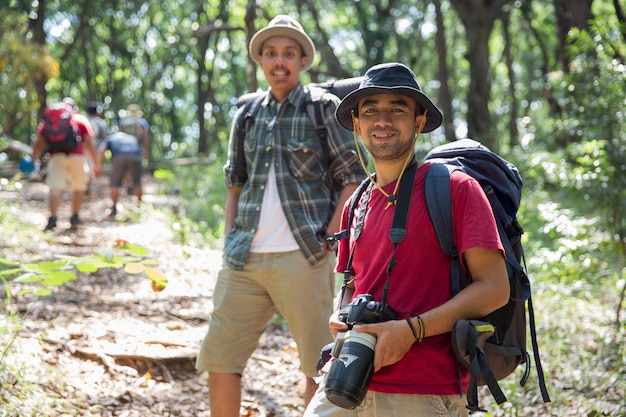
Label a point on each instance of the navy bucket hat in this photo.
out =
(389, 78)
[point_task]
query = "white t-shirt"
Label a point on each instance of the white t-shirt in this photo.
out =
(273, 233)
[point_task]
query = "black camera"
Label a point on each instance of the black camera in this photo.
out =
(364, 309)
(351, 371)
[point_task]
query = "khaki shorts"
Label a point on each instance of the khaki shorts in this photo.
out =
(245, 301)
(382, 404)
(120, 165)
(67, 169)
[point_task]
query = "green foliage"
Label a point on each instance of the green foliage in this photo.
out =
(575, 274)
(572, 156)
(593, 96)
(198, 215)
(43, 275)
(21, 64)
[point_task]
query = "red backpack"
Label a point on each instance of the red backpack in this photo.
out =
(58, 130)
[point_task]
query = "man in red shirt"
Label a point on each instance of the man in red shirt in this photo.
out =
(65, 168)
(415, 370)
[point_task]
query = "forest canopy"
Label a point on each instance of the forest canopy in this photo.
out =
(515, 75)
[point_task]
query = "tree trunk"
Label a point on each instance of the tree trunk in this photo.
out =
(203, 141)
(570, 14)
(513, 103)
(39, 38)
(445, 98)
(250, 20)
(478, 17)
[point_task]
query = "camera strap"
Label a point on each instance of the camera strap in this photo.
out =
(365, 190)
(397, 233)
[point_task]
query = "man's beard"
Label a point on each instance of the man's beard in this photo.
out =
(396, 151)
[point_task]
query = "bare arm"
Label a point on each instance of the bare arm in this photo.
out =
(335, 221)
(232, 199)
(488, 291)
(100, 160)
(38, 147)
(90, 147)
(146, 144)
(334, 323)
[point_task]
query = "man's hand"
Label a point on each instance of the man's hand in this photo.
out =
(394, 339)
(97, 169)
(336, 325)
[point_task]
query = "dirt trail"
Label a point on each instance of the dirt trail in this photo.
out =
(106, 344)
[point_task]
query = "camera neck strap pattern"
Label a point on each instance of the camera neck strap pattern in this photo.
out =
(365, 190)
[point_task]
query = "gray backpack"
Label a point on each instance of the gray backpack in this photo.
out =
(132, 125)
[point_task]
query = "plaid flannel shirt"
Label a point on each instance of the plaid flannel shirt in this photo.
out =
(307, 184)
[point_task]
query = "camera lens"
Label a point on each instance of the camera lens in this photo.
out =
(350, 374)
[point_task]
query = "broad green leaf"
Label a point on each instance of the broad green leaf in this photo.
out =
(58, 278)
(87, 267)
(8, 263)
(134, 268)
(130, 259)
(136, 249)
(156, 276)
(45, 266)
(163, 174)
(28, 277)
(10, 271)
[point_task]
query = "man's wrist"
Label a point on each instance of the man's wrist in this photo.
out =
(330, 242)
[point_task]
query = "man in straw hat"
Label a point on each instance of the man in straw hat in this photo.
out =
(414, 369)
(278, 213)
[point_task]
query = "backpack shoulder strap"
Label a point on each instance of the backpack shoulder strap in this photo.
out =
(397, 233)
(439, 202)
(356, 197)
(252, 104)
(345, 233)
(315, 109)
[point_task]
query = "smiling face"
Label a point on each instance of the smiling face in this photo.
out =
(282, 61)
(387, 124)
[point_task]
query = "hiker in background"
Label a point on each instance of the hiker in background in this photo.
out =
(131, 121)
(99, 126)
(67, 136)
(125, 160)
(278, 213)
(100, 131)
(415, 369)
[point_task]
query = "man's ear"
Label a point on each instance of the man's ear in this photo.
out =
(420, 121)
(357, 124)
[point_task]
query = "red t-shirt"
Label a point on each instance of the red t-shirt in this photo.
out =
(82, 126)
(420, 280)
